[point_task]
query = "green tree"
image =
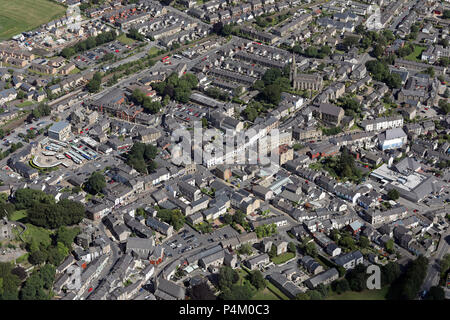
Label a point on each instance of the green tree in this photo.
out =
(96, 183)
(33, 289)
(350, 41)
(272, 94)
(9, 282)
(311, 249)
(357, 278)
(204, 122)
(273, 251)
(227, 277)
(302, 296)
(390, 246)
(378, 51)
(246, 248)
(227, 218)
(239, 217)
(47, 273)
(95, 83)
(55, 256)
(292, 248)
(314, 295)
(340, 286)
(445, 265)
(37, 257)
(390, 272)
(257, 279)
(66, 236)
(393, 194)
(250, 113)
(446, 14)
(364, 242)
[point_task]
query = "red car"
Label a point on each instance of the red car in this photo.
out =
(415, 210)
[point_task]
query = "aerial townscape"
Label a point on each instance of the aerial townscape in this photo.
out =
(224, 149)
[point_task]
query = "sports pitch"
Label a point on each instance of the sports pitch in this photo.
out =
(17, 16)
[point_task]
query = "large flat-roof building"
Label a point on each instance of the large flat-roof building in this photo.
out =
(60, 131)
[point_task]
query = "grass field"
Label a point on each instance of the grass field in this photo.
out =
(153, 52)
(125, 40)
(38, 234)
(18, 215)
(269, 293)
(363, 295)
(265, 294)
(24, 104)
(75, 71)
(416, 54)
(282, 258)
(274, 290)
(17, 16)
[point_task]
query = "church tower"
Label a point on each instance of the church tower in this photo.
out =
(293, 73)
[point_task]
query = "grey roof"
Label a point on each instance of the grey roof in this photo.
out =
(171, 288)
(321, 277)
(330, 109)
(407, 163)
(394, 133)
(345, 258)
(139, 243)
(58, 126)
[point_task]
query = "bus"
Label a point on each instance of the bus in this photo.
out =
(164, 59)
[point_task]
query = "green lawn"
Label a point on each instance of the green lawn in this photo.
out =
(269, 293)
(153, 51)
(17, 16)
(363, 295)
(18, 215)
(274, 290)
(283, 257)
(24, 104)
(37, 234)
(75, 71)
(265, 294)
(125, 40)
(416, 54)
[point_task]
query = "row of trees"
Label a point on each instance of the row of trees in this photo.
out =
(380, 72)
(134, 34)
(266, 230)
(13, 148)
(89, 43)
(141, 157)
(53, 251)
(43, 211)
(42, 110)
(149, 106)
(176, 88)
(173, 217)
(407, 286)
(38, 285)
(351, 106)
(231, 289)
(319, 293)
(313, 51)
(95, 83)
